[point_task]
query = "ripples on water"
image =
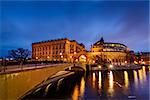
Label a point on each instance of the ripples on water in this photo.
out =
(100, 85)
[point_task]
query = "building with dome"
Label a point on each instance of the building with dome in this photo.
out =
(114, 53)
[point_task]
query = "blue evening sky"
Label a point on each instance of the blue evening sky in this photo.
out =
(25, 22)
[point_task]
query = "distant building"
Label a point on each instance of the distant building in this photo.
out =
(145, 57)
(56, 50)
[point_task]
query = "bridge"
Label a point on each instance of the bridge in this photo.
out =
(15, 84)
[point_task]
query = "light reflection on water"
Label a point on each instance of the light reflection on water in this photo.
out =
(82, 86)
(111, 83)
(126, 79)
(144, 73)
(75, 94)
(94, 79)
(138, 76)
(79, 92)
(135, 78)
(100, 80)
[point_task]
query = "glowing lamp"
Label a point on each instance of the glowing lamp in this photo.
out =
(99, 66)
(93, 61)
(36, 57)
(110, 66)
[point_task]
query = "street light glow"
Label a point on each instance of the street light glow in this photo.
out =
(99, 66)
(110, 66)
(60, 53)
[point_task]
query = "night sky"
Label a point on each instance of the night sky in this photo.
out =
(23, 23)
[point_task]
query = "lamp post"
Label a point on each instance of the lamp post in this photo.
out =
(70, 59)
(74, 57)
(36, 60)
(60, 56)
(47, 59)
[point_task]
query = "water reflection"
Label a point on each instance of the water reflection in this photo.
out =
(111, 83)
(144, 73)
(135, 78)
(75, 94)
(79, 90)
(94, 78)
(126, 79)
(100, 80)
(82, 87)
(140, 76)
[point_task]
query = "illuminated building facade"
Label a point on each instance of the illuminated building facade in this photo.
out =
(56, 50)
(145, 57)
(71, 51)
(114, 53)
(108, 47)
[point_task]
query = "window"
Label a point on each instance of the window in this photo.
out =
(60, 46)
(64, 46)
(113, 60)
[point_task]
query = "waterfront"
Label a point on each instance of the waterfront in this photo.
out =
(127, 84)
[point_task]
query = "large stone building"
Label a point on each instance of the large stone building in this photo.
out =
(71, 51)
(56, 50)
(115, 53)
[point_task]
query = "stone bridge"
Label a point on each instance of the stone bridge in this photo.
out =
(14, 85)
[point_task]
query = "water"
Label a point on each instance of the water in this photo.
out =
(129, 84)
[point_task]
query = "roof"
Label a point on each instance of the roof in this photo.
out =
(50, 40)
(81, 44)
(101, 42)
(114, 43)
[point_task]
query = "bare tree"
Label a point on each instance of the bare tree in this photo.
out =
(20, 55)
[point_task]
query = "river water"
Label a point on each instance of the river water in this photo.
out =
(113, 85)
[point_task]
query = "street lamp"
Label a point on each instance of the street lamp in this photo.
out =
(36, 58)
(99, 66)
(110, 66)
(36, 61)
(70, 59)
(60, 56)
(125, 62)
(75, 53)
